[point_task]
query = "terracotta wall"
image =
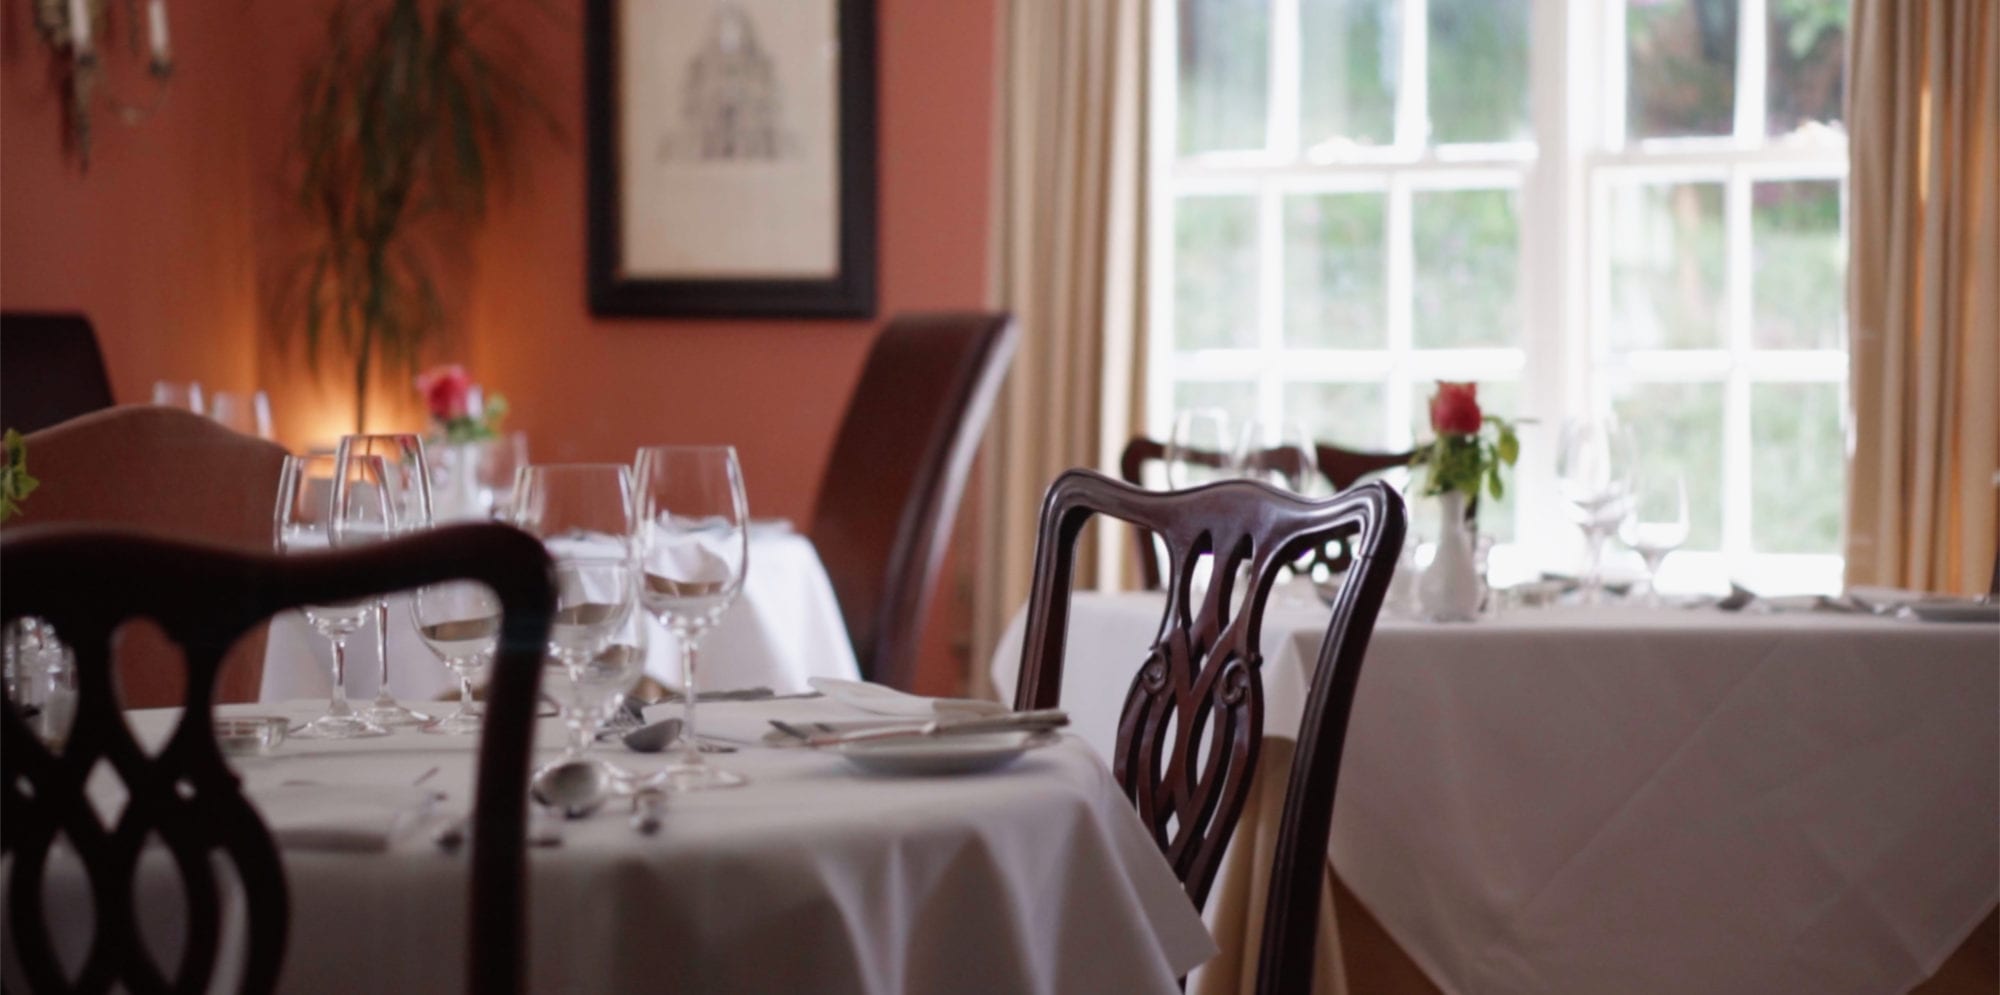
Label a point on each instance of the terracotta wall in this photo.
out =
(171, 240)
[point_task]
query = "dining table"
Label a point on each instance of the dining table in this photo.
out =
(816, 876)
(784, 629)
(1621, 798)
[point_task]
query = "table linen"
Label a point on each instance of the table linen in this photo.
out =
(1637, 801)
(815, 877)
(783, 629)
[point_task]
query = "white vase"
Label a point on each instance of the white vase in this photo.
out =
(456, 492)
(1450, 589)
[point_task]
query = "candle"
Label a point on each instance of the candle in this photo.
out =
(79, 28)
(156, 32)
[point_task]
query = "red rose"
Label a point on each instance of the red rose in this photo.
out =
(444, 389)
(1455, 409)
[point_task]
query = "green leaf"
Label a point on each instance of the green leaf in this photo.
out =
(1493, 483)
(1509, 448)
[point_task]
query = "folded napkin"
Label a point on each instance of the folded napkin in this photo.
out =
(879, 700)
(351, 818)
(691, 551)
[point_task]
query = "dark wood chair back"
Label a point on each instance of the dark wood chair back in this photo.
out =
(50, 370)
(170, 472)
(87, 584)
(1343, 468)
(1193, 722)
(898, 467)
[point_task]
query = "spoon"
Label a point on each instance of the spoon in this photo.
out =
(575, 788)
(647, 806)
(661, 734)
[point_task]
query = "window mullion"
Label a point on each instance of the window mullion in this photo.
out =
(1737, 491)
(1751, 55)
(1401, 284)
(1413, 79)
(1282, 103)
(1270, 303)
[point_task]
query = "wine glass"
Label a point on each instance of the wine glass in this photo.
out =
(1594, 476)
(1658, 524)
(1280, 453)
(582, 512)
(1198, 448)
(311, 515)
(174, 394)
(407, 487)
(694, 551)
(460, 621)
(249, 413)
(500, 461)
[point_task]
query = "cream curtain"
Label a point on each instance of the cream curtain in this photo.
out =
(1067, 231)
(1924, 292)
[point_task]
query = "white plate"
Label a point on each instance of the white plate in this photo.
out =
(933, 755)
(1941, 610)
(877, 699)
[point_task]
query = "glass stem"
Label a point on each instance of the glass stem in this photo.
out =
(1593, 566)
(464, 692)
(382, 648)
(690, 746)
(337, 700)
(580, 735)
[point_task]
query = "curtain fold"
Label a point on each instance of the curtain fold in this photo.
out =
(1923, 114)
(1067, 230)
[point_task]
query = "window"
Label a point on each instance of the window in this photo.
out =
(1578, 204)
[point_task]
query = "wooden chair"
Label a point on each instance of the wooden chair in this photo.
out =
(1199, 683)
(170, 472)
(50, 370)
(1342, 468)
(87, 583)
(898, 467)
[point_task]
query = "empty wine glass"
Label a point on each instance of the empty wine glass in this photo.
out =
(315, 513)
(1658, 523)
(248, 413)
(583, 515)
(500, 461)
(1594, 476)
(407, 487)
(1280, 453)
(460, 622)
(1199, 448)
(694, 551)
(175, 394)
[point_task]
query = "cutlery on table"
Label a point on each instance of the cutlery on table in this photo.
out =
(1044, 720)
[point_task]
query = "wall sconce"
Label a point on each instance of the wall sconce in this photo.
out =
(75, 31)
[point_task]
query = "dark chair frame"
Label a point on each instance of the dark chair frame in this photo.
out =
(890, 494)
(89, 582)
(54, 369)
(1343, 468)
(1201, 675)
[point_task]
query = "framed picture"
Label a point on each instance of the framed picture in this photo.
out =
(732, 157)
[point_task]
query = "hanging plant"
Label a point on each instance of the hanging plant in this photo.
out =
(404, 124)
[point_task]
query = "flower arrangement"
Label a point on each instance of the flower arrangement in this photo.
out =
(15, 484)
(456, 406)
(1471, 446)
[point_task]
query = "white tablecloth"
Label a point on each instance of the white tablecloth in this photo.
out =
(813, 878)
(784, 628)
(1568, 800)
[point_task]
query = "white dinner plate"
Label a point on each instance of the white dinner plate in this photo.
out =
(1942, 610)
(933, 755)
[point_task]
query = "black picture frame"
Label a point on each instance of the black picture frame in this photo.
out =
(849, 292)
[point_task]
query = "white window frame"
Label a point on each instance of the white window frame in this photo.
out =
(1561, 179)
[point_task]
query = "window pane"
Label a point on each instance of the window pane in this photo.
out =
(1681, 68)
(1335, 297)
(1496, 397)
(1808, 46)
(1348, 415)
(1667, 279)
(1479, 70)
(1347, 71)
(1798, 468)
(1224, 73)
(1467, 245)
(1215, 273)
(1678, 426)
(1799, 285)
(1238, 397)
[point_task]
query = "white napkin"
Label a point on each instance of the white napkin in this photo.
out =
(340, 817)
(879, 700)
(691, 551)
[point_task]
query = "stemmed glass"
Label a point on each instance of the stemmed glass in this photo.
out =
(1658, 523)
(1198, 448)
(1280, 453)
(315, 513)
(248, 413)
(1594, 476)
(583, 515)
(694, 551)
(408, 490)
(174, 394)
(460, 622)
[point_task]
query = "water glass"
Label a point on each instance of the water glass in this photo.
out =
(1199, 448)
(315, 512)
(1594, 476)
(406, 484)
(460, 622)
(248, 413)
(1658, 524)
